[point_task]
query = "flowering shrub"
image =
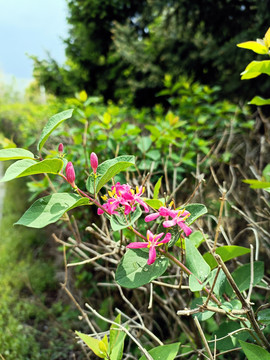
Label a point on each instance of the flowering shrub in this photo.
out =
(153, 252)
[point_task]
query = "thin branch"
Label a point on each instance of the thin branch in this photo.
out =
(143, 350)
(203, 338)
(92, 259)
(251, 273)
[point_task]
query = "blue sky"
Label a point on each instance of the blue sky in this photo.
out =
(30, 27)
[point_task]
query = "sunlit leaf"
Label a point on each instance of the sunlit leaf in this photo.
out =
(254, 46)
(53, 122)
(133, 270)
(15, 154)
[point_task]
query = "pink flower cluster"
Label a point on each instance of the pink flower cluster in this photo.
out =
(178, 218)
(151, 244)
(123, 196)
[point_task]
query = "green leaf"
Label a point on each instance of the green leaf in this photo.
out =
(256, 68)
(196, 210)
(259, 101)
(264, 316)
(175, 232)
(195, 262)
(154, 203)
(226, 253)
(157, 188)
(266, 172)
(196, 237)
(242, 276)
(104, 345)
(49, 209)
(117, 338)
(220, 284)
(53, 122)
(205, 315)
(254, 352)
(257, 184)
(92, 343)
(133, 270)
(194, 284)
(254, 46)
(107, 170)
(28, 167)
(119, 222)
(228, 342)
(163, 352)
(15, 153)
(144, 144)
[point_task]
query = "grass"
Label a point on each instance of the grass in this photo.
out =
(34, 324)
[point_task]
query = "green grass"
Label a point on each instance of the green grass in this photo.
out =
(33, 323)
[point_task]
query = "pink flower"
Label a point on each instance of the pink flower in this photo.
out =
(94, 162)
(152, 244)
(178, 218)
(123, 196)
(70, 173)
(60, 148)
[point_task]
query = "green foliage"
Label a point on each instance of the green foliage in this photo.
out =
(133, 270)
(51, 125)
(195, 262)
(15, 153)
(27, 167)
(104, 349)
(167, 352)
(50, 208)
(27, 283)
(254, 352)
(226, 252)
(242, 276)
(107, 170)
(21, 121)
(256, 68)
(119, 222)
(123, 49)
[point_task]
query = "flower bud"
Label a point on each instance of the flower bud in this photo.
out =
(94, 162)
(61, 148)
(70, 173)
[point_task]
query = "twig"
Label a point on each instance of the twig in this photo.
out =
(203, 338)
(223, 198)
(194, 192)
(256, 240)
(92, 259)
(176, 189)
(160, 283)
(245, 304)
(151, 297)
(212, 288)
(143, 350)
(84, 315)
(251, 273)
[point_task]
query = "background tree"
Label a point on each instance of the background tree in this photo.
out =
(123, 49)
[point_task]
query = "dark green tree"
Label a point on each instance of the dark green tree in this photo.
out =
(123, 49)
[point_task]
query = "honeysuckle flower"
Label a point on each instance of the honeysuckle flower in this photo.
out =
(60, 148)
(123, 196)
(70, 174)
(151, 244)
(178, 218)
(94, 162)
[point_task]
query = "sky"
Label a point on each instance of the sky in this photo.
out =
(32, 27)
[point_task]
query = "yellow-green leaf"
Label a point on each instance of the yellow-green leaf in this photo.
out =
(92, 343)
(267, 38)
(254, 46)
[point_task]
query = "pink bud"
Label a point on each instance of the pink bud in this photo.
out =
(61, 148)
(70, 173)
(94, 162)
